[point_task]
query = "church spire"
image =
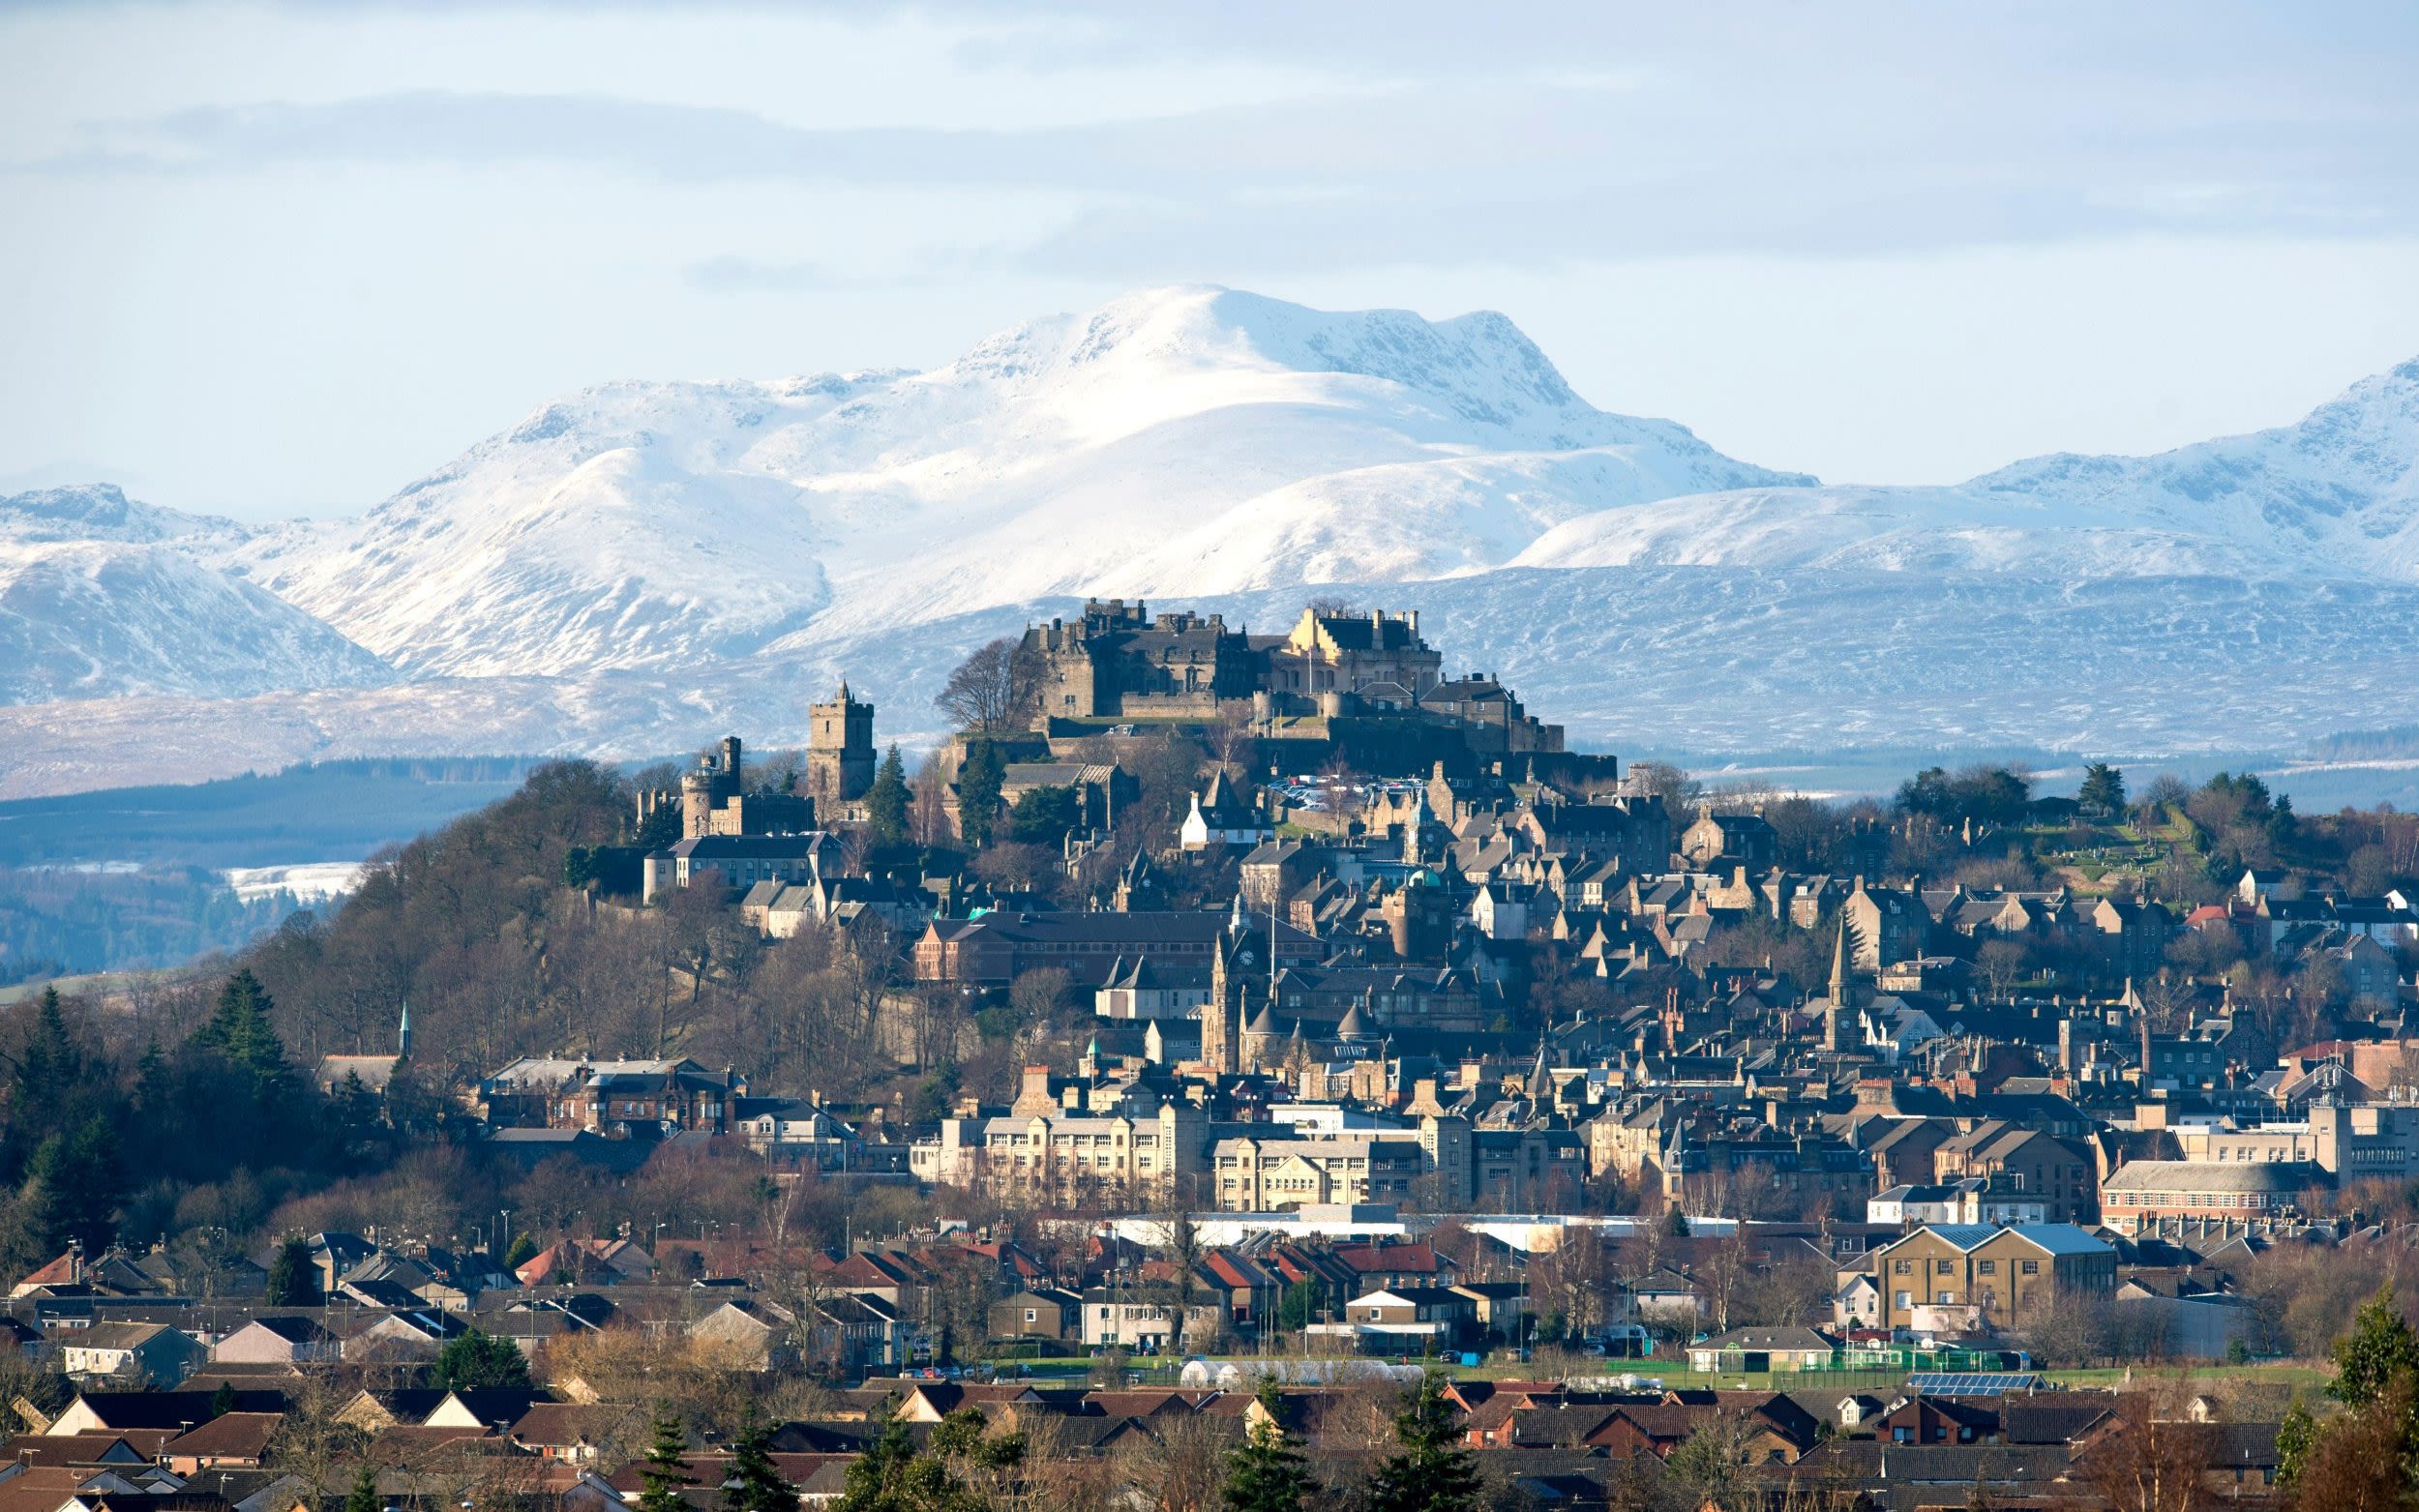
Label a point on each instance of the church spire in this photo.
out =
(1836, 1027)
(402, 1033)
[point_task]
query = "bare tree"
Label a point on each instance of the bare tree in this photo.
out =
(928, 804)
(1676, 789)
(1231, 737)
(311, 1440)
(993, 691)
(2001, 961)
(1179, 1463)
(2153, 1459)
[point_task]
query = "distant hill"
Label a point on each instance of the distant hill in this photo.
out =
(644, 565)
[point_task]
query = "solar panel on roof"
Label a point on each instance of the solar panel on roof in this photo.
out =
(1972, 1383)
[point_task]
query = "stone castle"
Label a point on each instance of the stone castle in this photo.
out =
(1116, 661)
(714, 797)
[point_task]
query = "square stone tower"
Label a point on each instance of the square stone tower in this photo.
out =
(840, 748)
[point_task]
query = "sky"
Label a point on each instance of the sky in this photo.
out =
(273, 260)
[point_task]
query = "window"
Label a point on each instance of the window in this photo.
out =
(1031, 1316)
(1944, 1267)
(1989, 1267)
(2032, 1268)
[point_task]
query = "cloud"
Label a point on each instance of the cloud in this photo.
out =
(1593, 165)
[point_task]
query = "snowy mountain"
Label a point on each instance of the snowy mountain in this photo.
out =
(99, 512)
(102, 619)
(644, 565)
(1179, 441)
(2333, 496)
(102, 597)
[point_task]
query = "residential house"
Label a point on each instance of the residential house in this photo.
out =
(285, 1340)
(138, 1354)
(1050, 1314)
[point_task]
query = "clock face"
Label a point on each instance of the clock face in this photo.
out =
(1245, 957)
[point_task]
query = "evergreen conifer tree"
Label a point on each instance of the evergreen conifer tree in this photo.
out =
(886, 801)
(1266, 1473)
(293, 1280)
(1429, 1472)
(51, 1064)
(222, 1401)
(364, 1496)
(476, 1358)
(2379, 1347)
(881, 1480)
(94, 1183)
(979, 790)
(40, 1213)
(2295, 1436)
(662, 1475)
(756, 1484)
(2103, 790)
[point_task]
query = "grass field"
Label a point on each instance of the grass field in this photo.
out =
(1155, 1372)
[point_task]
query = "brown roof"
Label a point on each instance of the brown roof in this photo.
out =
(39, 1490)
(1143, 1403)
(232, 1436)
(59, 1449)
(564, 1423)
(401, 1443)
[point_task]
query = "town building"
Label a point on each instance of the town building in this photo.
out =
(1963, 1278)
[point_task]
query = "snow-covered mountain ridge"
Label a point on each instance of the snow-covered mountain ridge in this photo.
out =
(1177, 441)
(643, 564)
(2334, 496)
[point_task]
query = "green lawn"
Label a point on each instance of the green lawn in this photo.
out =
(2283, 1374)
(1163, 1372)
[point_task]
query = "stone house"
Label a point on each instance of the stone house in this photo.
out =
(2050, 1169)
(2131, 936)
(1886, 925)
(1038, 1314)
(1946, 1274)
(1145, 1317)
(1723, 841)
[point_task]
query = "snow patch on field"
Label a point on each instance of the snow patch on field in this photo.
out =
(309, 882)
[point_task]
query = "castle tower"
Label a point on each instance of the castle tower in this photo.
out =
(840, 748)
(712, 782)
